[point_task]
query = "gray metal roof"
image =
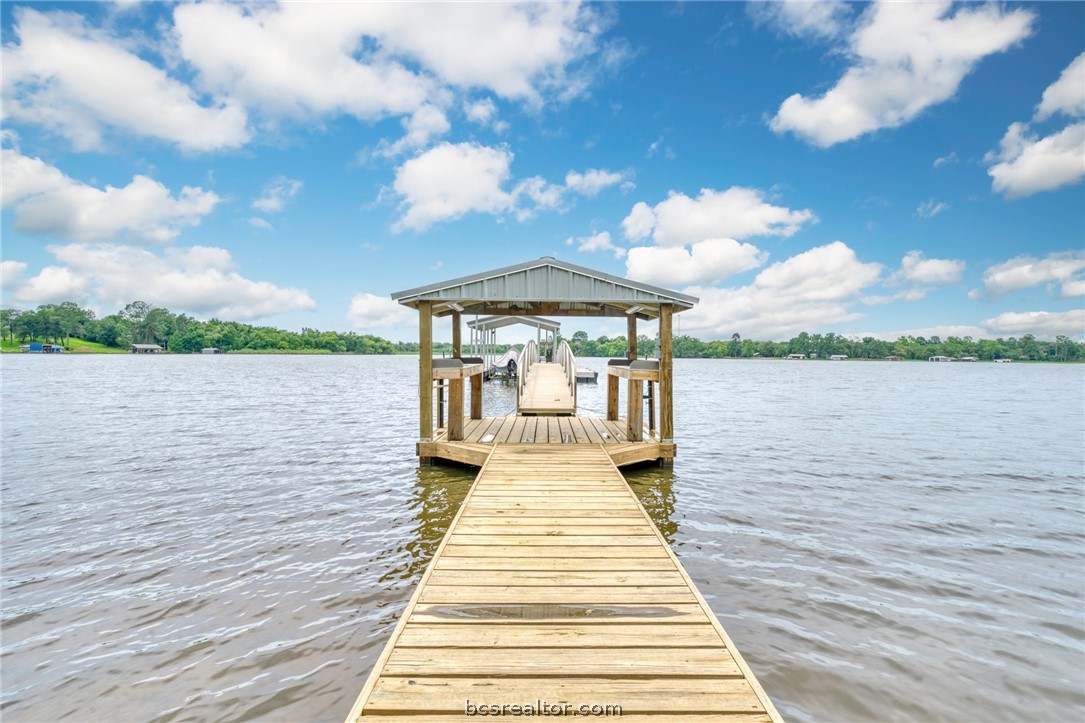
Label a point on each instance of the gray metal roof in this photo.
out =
(548, 287)
(499, 322)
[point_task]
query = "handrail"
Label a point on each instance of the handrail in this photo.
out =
(567, 359)
(528, 356)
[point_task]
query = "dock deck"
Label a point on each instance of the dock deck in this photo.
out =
(546, 391)
(481, 435)
(552, 585)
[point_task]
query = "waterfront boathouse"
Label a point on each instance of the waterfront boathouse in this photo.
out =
(552, 592)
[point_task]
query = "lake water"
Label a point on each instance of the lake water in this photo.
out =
(233, 537)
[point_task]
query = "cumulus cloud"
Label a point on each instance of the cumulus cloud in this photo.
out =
(735, 213)
(946, 159)
(260, 223)
(802, 18)
(592, 181)
(1067, 94)
(1022, 272)
(916, 269)
(423, 126)
(481, 111)
(77, 81)
(1046, 324)
(599, 242)
(931, 208)
(451, 180)
(369, 311)
(301, 59)
(201, 280)
(1026, 163)
(10, 271)
(48, 202)
(906, 57)
(708, 261)
(814, 289)
(276, 194)
(1071, 289)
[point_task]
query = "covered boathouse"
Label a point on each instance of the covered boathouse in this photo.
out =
(546, 287)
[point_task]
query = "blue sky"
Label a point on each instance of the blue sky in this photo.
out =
(862, 169)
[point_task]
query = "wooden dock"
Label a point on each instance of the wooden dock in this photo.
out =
(553, 586)
(546, 391)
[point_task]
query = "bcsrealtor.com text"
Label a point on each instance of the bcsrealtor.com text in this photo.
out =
(541, 708)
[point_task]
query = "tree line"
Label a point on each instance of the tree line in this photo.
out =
(142, 323)
(822, 346)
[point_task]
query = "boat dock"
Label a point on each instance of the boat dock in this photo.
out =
(552, 592)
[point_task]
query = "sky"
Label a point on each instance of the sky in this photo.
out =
(864, 169)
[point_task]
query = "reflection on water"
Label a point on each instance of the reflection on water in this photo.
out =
(435, 499)
(654, 487)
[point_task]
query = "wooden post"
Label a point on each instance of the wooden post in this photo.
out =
(455, 410)
(634, 419)
(457, 338)
(440, 403)
(666, 375)
(425, 372)
(634, 405)
(651, 406)
(476, 396)
(612, 398)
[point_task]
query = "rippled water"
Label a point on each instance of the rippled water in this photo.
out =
(233, 537)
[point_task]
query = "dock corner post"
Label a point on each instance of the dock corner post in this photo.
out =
(457, 336)
(425, 371)
(666, 375)
(634, 404)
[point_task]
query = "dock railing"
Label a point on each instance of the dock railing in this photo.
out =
(528, 356)
(565, 357)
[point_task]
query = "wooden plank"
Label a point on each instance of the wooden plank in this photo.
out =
(507, 424)
(601, 541)
(573, 594)
(560, 635)
(535, 615)
(455, 410)
(517, 434)
(686, 717)
(476, 396)
(550, 530)
(572, 662)
(552, 551)
(448, 695)
(554, 564)
(547, 578)
(612, 397)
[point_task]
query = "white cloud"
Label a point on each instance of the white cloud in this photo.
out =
(304, 59)
(371, 311)
(1045, 324)
(9, 271)
(424, 125)
(1022, 272)
(592, 181)
(735, 213)
(931, 208)
(48, 202)
(916, 269)
(811, 290)
(599, 242)
(1028, 165)
(802, 18)
(1071, 289)
(262, 224)
(706, 262)
(906, 58)
(76, 81)
(201, 280)
(481, 111)
(1067, 94)
(451, 180)
(946, 159)
(1025, 163)
(276, 193)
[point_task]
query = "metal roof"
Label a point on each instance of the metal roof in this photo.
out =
(545, 286)
(499, 322)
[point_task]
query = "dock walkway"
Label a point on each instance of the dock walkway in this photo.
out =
(546, 391)
(553, 585)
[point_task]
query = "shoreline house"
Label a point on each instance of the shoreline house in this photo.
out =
(796, 356)
(144, 349)
(211, 350)
(838, 357)
(37, 347)
(941, 359)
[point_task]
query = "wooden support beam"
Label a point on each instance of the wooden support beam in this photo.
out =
(651, 406)
(425, 371)
(612, 398)
(455, 409)
(631, 337)
(666, 374)
(457, 336)
(634, 411)
(476, 396)
(440, 403)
